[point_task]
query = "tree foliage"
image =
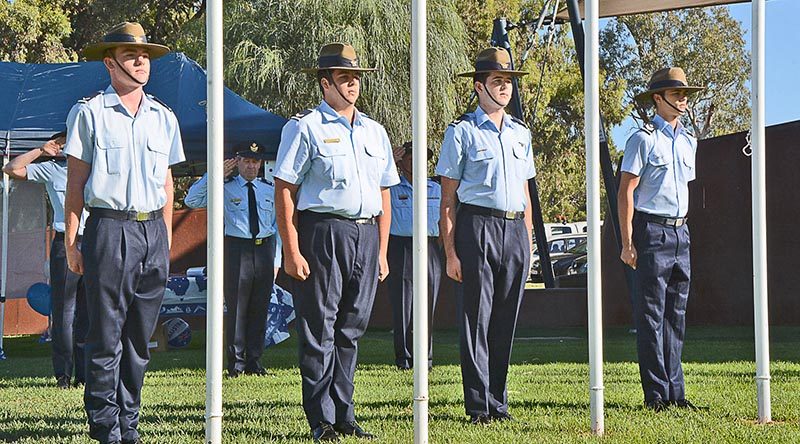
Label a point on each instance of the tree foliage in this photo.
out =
(707, 43)
(32, 31)
(263, 57)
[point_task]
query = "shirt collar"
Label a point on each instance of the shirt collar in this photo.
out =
(111, 99)
(242, 182)
(330, 115)
(666, 128)
(481, 117)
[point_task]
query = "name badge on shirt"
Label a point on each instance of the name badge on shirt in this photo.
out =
(334, 140)
(403, 197)
(236, 201)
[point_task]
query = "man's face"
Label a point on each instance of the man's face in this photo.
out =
(499, 86)
(407, 162)
(248, 167)
(135, 60)
(348, 83)
(678, 99)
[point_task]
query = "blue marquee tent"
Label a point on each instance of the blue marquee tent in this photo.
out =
(35, 100)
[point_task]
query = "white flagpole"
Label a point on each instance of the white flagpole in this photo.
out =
(214, 331)
(592, 125)
(419, 118)
(759, 162)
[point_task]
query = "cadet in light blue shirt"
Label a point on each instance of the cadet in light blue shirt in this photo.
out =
(401, 258)
(490, 163)
(653, 201)
(68, 315)
(332, 175)
(251, 246)
(120, 145)
(485, 163)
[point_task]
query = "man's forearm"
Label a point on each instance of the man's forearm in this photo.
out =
(447, 215)
(169, 189)
(286, 216)
(625, 214)
(77, 175)
(385, 221)
(16, 168)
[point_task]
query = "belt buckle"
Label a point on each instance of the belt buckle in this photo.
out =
(142, 217)
(259, 242)
(512, 215)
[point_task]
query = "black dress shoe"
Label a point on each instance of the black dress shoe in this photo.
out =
(482, 419)
(502, 416)
(352, 429)
(63, 382)
(324, 432)
(656, 405)
(234, 373)
(260, 371)
(684, 404)
(132, 441)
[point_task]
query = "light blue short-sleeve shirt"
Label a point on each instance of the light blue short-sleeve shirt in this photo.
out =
(53, 175)
(493, 165)
(339, 168)
(237, 209)
(403, 208)
(129, 155)
(664, 160)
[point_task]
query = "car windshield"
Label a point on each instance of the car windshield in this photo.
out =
(578, 249)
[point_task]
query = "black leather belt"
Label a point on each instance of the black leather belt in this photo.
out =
(126, 215)
(362, 220)
(668, 221)
(246, 240)
(60, 237)
(483, 211)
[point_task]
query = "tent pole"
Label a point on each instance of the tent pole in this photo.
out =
(592, 124)
(419, 119)
(215, 247)
(4, 271)
(759, 162)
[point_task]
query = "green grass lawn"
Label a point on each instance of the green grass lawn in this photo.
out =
(548, 392)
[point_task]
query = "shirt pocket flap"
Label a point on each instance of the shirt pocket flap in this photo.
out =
(375, 150)
(109, 142)
(520, 151)
(657, 158)
(265, 204)
(157, 145)
(688, 160)
(331, 149)
(480, 154)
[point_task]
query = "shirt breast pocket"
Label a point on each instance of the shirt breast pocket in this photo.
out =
(482, 160)
(158, 158)
(265, 207)
(110, 150)
(331, 158)
(521, 160)
(659, 159)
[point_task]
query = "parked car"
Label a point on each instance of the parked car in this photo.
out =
(558, 246)
(575, 276)
(561, 265)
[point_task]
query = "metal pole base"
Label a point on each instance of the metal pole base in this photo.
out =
(764, 405)
(598, 416)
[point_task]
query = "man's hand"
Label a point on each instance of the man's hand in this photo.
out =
(629, 256)
(75, 260)
(296, 266)
(53, 147)
(383, 267)
(454, 268)
(228, 166)
(397, 153)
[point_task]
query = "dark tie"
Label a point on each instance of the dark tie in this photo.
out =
(252, 206)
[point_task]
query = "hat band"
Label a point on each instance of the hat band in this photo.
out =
(668, 84)
(124, 38)
(330, 61)
(488, 65)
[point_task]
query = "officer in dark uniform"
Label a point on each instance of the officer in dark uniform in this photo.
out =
(69, 302)
(250, 245)
(120, 145)
(485, 163)
(401, 254)
(332, 175)
(657, 167)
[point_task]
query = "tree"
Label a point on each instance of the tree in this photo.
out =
(32, 31)
(267, 42)
(708, 43)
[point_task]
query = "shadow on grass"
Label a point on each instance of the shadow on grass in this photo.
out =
(44, 428)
